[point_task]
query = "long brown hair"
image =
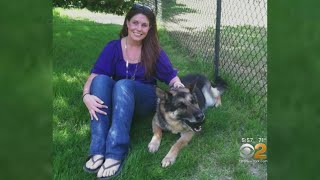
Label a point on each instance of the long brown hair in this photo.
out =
(150, 49)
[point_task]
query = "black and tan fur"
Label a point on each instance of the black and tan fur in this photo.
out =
(181, 110)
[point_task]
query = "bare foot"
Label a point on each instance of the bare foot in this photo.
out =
(109, 168)
(94, 162)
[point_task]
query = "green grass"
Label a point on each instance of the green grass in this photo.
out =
(212, 154)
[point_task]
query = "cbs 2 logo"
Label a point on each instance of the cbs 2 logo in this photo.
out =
(248, 151)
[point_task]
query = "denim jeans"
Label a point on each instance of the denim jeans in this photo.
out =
(110, 135)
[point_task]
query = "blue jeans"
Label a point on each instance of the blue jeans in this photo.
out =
(110, 135)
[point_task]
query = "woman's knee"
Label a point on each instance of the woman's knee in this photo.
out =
(124, 85)
(101, 81)
(101, 78)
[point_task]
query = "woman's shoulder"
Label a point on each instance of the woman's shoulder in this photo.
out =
(163, 54)
(114, 42)
(114, 45)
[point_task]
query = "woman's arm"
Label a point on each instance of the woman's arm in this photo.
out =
(92, 102)
(165, 71)
(86, 88)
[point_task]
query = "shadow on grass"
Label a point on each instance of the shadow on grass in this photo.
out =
(172, 8)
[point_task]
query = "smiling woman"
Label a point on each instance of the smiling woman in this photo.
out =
(140, 28)
(121, 85)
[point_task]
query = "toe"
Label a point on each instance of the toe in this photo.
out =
(105, 171)
(100, 172)
(105, 174)
(94, 162)
(89, 164)
(109, 173)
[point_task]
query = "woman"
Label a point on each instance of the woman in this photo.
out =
(121, 84)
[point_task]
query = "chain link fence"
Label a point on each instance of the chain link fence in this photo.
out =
(240, 52)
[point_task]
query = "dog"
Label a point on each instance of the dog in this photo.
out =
(181, 110)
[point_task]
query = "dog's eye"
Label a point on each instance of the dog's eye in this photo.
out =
(181, 105)
(193, 101)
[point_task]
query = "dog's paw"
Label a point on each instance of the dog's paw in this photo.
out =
(153, 146)
(168, 161)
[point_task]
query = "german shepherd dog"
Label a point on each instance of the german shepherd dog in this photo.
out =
(181, 110)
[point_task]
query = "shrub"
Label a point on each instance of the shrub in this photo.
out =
(70, 3)
(119, 7)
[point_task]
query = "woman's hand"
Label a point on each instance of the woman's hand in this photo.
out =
(93, 104)
(177, 84)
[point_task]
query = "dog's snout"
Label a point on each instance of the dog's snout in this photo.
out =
(199, 116)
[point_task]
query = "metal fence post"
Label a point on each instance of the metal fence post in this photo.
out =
(156, 6)
(217, 41)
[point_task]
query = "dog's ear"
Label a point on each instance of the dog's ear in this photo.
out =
(192, 86)
(161, 93)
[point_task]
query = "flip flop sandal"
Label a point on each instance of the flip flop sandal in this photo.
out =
(115, 174)
(94, 161)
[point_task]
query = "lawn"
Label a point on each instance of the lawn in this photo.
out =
(212, 154)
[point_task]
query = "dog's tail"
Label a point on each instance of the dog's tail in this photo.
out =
(217, 89)
(220, 84)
